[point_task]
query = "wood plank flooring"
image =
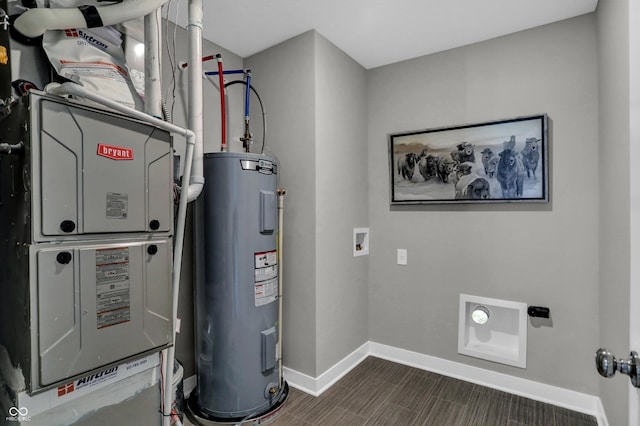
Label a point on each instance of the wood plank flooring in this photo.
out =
(380, 392)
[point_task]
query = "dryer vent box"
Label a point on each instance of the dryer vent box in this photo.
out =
(493, 329)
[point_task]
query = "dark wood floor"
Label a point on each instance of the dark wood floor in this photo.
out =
(379, 392)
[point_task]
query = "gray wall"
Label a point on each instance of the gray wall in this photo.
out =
(316, 101)
(285, 78)
(342, 203)
(537, 254)
(320, 112)
(613, 42)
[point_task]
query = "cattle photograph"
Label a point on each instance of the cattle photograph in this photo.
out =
(498, 161)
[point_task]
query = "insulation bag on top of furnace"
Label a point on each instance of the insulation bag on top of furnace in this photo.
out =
(93, 58)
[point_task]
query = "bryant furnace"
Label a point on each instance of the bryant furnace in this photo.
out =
(86, 225)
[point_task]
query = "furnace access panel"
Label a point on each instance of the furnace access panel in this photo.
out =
(97, 173)
(99, 303)
(86, 222)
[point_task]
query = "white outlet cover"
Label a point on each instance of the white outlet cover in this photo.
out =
(402, 256)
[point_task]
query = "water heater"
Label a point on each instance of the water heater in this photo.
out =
(236, 293)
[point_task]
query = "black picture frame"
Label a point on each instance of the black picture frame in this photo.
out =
(491, 162)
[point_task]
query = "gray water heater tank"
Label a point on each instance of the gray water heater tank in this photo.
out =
(236, 292)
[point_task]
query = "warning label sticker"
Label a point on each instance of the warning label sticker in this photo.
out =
(266, 277)
(266, 292)
(268, 273)
(264, 259)
(117, 205)
(113, 300)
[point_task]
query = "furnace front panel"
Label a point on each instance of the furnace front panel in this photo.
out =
(86, 214)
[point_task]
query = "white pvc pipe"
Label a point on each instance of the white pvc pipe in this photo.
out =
(152, 64)
(34, 22)
(193, 189)
(195, 123)
(196, 103)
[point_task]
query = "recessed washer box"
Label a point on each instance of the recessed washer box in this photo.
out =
(360, 241)
(502, 338)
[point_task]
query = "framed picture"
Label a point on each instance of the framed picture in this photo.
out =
(497, 161)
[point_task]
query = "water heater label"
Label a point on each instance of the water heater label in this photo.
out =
(113, 301)
(117, 205)
(266, 292)
(266, 277)
(268, 273)
(264, 259)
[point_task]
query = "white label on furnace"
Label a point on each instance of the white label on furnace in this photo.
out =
(117, 205)
(113, 304)
(266, 292)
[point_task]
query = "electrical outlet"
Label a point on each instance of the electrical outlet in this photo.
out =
(402, 256)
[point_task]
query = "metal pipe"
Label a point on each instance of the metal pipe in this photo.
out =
(281, 193)
(246, 139)
(264, 113)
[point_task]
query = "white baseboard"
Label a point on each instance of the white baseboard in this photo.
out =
(315, 386)
(566, 398)
(311, 385)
